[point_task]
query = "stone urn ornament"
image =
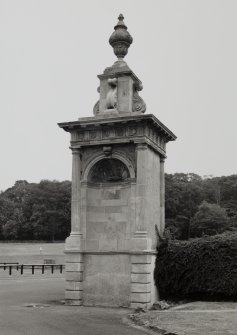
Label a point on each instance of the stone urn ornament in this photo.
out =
(120, 40)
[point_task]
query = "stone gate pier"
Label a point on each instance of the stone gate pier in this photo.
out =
(117, 192)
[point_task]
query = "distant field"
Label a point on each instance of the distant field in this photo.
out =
(32, 253)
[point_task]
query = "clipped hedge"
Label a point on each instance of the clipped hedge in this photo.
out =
(202, 268)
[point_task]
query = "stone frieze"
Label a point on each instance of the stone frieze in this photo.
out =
(122, 134)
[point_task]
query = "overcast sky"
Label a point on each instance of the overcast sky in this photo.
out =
(184, 52)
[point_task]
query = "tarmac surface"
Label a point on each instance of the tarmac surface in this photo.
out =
(35, 307)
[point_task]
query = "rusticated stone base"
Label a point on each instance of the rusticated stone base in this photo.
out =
(118, 279)
(74, 277)
(143, 290)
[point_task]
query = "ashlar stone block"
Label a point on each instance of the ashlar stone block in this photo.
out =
(74, 267)
(141, 297)
(74, 276)
(141, 268)
(141, 259)
(140, 288)
(74, 257)
(73, 295)
(141, 278)
(74, 285)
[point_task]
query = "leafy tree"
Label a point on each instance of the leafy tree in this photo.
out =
(185, 193)
(212, 190)
(6, 212)
(39, 211)
(178, 228)
(183, 196)
(210, 219)
(228, 187)
(10, 230)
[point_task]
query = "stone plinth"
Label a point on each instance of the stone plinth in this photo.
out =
(117, 203)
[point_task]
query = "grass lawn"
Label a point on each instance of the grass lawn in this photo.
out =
(32, 253)
(195, 318)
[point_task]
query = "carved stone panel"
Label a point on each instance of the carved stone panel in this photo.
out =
(132, 131)
(120, 132)
(92, 135)
(139, 105)
(107, 133)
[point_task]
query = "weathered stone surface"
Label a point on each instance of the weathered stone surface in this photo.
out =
(141, 278)
(73, 295)
(140, 288)
(141, 259)
(74, 267)
(108, 217)
(73, 276)
(117, 215)
(74, 286)
(141, 268)
(74, 257)
(141, 297)
(92, 244)
(141, 244)
(107, 280)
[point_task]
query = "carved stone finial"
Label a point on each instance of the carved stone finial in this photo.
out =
(120, 40)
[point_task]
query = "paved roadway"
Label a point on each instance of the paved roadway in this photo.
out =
(20, 314)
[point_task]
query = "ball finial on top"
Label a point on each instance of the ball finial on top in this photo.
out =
(120, 40)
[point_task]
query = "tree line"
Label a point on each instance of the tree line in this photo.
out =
(195, 207)
(35, 211)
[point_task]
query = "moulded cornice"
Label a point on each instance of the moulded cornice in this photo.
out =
(95, 122)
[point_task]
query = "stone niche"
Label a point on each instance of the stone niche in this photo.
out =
(117, 194)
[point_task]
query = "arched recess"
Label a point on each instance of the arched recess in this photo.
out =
(115, 155)
(109, 170)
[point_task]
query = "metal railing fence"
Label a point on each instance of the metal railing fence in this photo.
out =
(32, 267)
